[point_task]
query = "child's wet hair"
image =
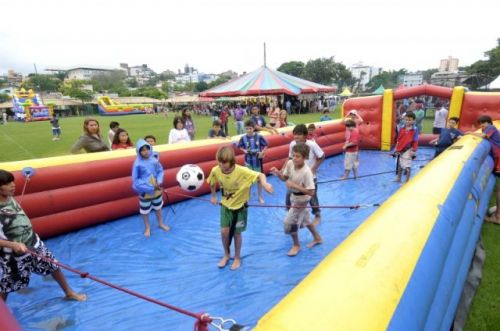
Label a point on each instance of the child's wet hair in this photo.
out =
(249, 123)
(410, 115)
(226, 155)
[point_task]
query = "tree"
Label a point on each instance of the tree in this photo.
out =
(485, 71)
(201, 86)
(150, 92)
(45, 83)
(294, 68)
(390, 79)
(109, 81)
(427, 74)
(4, 97)
(326, 71)
(75, 90)
(218, 81)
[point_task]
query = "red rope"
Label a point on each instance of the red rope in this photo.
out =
(277, 206)
(202, 319)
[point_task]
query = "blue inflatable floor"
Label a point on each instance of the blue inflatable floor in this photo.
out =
(180, 267)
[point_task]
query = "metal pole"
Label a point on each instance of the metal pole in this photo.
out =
(265, 55)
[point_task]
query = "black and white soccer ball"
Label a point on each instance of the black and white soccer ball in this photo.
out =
(190, 177)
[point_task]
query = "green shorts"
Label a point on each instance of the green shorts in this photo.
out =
(228, 217)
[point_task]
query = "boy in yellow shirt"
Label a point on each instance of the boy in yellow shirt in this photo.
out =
(235, 182)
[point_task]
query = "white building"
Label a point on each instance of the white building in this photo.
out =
(448, 65)
(85, 73)
(410, 80)
(364, 73)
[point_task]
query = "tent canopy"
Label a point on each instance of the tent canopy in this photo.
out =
(346, 92)
(265, 81)
(379, 90)
(494, 85)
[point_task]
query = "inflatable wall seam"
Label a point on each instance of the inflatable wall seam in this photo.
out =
(457, 98)
(387, 120)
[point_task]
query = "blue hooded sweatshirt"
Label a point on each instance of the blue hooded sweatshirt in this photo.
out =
(146, 172)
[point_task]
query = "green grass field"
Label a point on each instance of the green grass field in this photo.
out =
(24, 141)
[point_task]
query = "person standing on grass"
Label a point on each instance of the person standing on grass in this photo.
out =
(91, 140)
(188, 123)
(178, 133)
(56, 128)
(239, 116)
(113, 127)
(440, 117)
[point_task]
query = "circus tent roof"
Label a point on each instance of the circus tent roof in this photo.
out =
(265, 81)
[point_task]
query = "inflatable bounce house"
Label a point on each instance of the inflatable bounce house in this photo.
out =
(393, 257)
(28, 107)
(109, 107)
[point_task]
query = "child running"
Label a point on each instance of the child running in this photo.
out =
(406, 147)
(17, 238)
(147, 181)
(351, 149)
(299, 180)
(254, 146)
(235, 182)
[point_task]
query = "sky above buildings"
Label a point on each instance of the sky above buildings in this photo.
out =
(218, 35)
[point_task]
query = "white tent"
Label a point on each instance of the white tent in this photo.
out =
(494, 85)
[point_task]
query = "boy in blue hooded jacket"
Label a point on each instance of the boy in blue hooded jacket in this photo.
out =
(147, 181)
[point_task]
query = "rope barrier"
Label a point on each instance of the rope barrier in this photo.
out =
(202, 319)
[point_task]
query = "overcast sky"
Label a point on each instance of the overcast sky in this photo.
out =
(218, 35)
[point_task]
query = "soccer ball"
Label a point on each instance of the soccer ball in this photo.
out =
(190, 177)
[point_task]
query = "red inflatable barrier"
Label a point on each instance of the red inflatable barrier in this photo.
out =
(433, 90)
(475, 105)
(64, 198)
(370, 109)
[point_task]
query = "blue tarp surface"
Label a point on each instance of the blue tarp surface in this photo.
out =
(179, 267)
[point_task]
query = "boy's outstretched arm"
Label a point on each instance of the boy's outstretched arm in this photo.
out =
(263, 181)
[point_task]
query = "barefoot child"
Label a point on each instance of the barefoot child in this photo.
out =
(16, 238)
(314, 160)
(235, 182)
(254, 146)
(147, 181)
(351, 149)
(406, 147)
(300, 182)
